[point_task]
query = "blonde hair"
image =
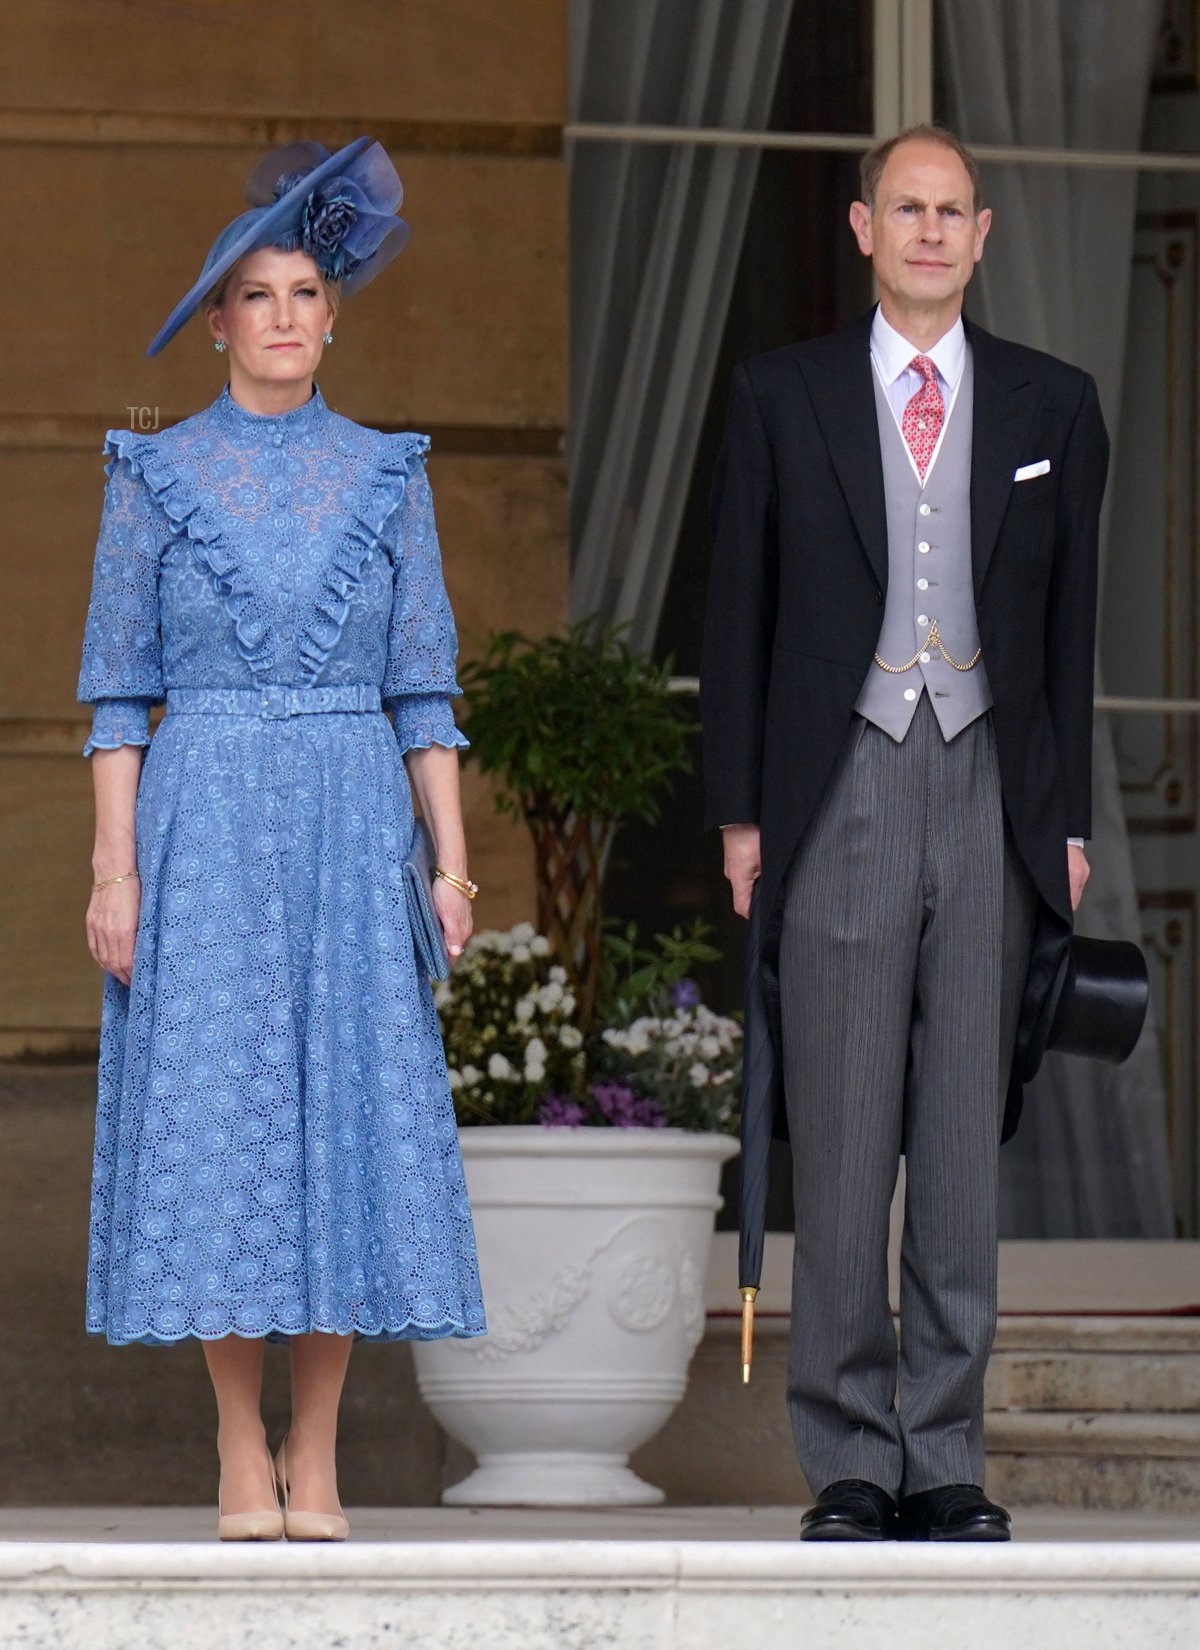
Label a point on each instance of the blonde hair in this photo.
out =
(873, 162)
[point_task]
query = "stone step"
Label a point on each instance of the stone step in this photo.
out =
(732, 1442)
(1075, 1381)
(563, 1594)
(1177, 1333)
(1096, 1434)
(1157, 1485)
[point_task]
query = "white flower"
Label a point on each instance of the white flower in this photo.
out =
(697, 1075)
(540, 945)
(535, 1050)
(498, 1067)
(558, 974)
(567, 1006)
(470, 1076)
(522, 933)
(550, 996)
(521, 953)
(710, 1047)
(454, 1078)
(535, 1073)
(572, 1037)
(722, 1077)
(524, 1009)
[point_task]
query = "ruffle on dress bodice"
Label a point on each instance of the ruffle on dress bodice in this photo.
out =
(294, 525)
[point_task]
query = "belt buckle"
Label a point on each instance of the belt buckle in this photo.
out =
(274, 704)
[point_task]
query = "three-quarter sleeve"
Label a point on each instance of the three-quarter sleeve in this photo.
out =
(121, 675)
(419, 682)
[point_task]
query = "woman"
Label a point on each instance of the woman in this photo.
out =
(276, 1156)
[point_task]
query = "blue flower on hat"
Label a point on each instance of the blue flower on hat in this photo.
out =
(329, 218)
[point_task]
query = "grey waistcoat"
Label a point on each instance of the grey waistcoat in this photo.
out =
(929, 540)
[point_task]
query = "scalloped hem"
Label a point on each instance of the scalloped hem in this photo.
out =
(459, 743)
(104, 745)
(279, 1334)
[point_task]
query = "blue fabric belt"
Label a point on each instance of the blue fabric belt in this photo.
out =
(273, 702)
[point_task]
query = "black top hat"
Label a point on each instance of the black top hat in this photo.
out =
(1095, 1004)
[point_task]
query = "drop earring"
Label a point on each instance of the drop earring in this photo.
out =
(220, 346)
(327, 338)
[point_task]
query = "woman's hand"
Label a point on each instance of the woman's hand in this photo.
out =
(112, 920)
(454, 913)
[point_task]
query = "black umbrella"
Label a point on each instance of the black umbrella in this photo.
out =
(761, 1109)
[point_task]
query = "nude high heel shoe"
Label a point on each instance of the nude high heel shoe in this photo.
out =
(307, 1526)
(262, 1524)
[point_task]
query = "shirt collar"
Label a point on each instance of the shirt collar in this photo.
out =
(893, 353)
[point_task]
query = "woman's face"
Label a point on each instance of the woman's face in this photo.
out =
(273, 317)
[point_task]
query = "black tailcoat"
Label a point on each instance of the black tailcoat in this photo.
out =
(799, 577)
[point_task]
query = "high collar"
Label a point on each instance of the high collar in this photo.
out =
(252, 426)
(893, 352)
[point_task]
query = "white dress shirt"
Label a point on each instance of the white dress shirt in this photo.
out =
(892, 356)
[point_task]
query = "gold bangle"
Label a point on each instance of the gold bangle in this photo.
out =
(463, 884)
(108, 881)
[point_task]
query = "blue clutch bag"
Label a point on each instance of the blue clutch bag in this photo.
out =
(428, 940)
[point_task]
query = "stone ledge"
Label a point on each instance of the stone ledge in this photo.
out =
(641, 1595)
(791, 1564)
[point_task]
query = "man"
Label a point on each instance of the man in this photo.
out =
(897, 705)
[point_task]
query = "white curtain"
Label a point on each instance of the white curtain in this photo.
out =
(1090, 1159)
(656, 233)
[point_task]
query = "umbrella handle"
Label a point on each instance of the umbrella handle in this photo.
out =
(748, 1294)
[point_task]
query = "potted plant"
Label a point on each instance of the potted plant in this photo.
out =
(577, 731)
(592, 1163)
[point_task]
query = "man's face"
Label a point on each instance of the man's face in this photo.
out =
(924, 237)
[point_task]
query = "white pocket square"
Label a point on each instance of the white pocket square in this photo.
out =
(1028, 471)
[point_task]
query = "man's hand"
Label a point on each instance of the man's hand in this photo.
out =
(1078, 871)
(743, 863)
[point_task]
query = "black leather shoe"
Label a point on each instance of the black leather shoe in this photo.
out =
(850, 1510)
(955, 1512)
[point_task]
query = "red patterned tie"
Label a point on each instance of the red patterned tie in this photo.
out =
(922, 421)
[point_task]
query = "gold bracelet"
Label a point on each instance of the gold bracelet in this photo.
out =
(463, 884)
(108, 881)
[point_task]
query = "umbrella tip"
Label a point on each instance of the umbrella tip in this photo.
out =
(748, 1293)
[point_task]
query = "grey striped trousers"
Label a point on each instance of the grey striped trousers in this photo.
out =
(906, 934)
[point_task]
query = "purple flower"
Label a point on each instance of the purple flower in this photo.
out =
(556, 1112)
(619, 1106)
(685, 994)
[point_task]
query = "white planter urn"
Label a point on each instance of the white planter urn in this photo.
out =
(593, 1250)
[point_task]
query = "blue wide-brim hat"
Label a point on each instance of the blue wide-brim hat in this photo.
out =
(340, 209)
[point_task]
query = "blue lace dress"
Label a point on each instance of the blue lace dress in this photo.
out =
(275, 1150)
